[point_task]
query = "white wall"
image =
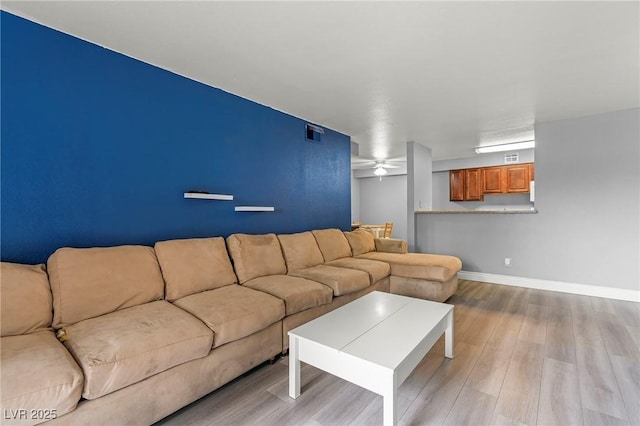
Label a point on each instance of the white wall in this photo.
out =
(355, 199)
(482, 160)
(587, 230)
(419, 186)
(384, 201)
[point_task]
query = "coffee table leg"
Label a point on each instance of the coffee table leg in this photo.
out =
(389, 409)
(294, 368)
(448, 336)
(389, 400)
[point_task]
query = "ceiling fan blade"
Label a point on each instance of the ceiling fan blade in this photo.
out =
(358, 163)
(361, 166)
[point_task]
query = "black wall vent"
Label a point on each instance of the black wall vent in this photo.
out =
(313, 133)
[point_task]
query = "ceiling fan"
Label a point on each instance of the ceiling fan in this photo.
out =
(379, 166)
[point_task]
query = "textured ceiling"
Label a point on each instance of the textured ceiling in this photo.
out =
(448, 75)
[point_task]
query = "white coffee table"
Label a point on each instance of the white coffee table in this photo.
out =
(375, 342)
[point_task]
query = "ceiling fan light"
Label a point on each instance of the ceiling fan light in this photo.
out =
(505, 147)
(380, 171)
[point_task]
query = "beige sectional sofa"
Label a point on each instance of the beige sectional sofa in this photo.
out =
(143, 331)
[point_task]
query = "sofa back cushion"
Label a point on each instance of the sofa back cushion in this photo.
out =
(194, 265)
(300, 250)
(332, 243)
(361, 241)
(256, 256)
(391, 245)
(26, 304)
(90, 282)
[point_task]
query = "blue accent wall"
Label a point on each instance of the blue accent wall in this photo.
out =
(98, 148)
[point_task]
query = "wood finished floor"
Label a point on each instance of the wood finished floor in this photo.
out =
(522, 357)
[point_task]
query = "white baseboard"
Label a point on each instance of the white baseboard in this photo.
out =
(563, 287)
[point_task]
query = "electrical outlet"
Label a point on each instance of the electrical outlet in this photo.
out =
(507, 261)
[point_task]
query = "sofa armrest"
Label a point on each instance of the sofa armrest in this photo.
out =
(391, 245)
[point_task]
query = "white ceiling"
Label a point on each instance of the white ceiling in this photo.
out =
(448, 75)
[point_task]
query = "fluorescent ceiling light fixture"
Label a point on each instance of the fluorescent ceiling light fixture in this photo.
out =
(380, 171)
(505, 147)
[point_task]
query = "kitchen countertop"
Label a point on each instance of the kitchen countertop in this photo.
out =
(496, 211)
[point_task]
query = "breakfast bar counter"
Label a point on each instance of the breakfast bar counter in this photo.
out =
(494, 211)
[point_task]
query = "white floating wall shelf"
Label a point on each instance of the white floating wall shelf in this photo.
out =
(203, 196)
(254, 209)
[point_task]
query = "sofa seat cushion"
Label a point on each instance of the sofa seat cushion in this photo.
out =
(377, 270)
(340, 280)
(234, 311)
(297, 293)
(26, 303)
(38, 373)
(432, 267)
(129, 345)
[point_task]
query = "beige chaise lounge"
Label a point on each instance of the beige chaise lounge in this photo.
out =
(421, 275)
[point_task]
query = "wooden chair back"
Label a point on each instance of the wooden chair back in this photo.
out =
(388, 228)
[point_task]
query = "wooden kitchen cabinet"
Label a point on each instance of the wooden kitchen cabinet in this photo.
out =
(517, 178)
(510, 179)
(472, 184)
(492, 180)
(456, 185)
(465, 185)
